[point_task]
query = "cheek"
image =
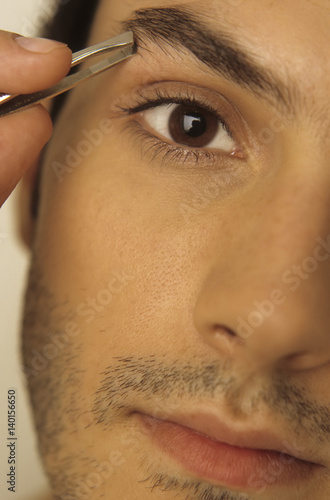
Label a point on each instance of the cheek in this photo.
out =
(97, 220)
(111, 249)
(125, 244)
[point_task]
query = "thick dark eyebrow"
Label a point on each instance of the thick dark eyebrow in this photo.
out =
(178, 27)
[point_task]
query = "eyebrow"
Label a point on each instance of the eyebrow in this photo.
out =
(178, 27)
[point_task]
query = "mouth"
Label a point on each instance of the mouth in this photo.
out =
(210, 450)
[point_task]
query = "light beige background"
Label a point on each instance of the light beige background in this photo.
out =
(25, 17)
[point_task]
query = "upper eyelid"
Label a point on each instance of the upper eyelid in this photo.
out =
(154, 103)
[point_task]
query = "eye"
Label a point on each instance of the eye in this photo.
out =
(191, 126)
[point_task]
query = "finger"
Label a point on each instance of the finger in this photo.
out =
(26, 65)
(22, 136)
(31, 64)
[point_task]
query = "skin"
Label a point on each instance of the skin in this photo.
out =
(25, 71)
(187, 249)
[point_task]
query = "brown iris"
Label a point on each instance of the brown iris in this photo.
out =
(193, 127)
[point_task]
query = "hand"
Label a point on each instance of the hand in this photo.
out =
(26, 65)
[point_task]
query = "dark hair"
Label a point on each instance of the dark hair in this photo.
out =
(71, 24)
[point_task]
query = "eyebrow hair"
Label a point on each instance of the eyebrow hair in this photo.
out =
(179, 27)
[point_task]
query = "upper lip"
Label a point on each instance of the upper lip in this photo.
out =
(248, 437)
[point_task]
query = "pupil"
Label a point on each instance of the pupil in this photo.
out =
(193, 127)
(194, 124)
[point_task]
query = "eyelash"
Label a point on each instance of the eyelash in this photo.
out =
(160, 147)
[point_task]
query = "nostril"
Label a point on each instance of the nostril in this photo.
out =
(224, 330)
(223, 338)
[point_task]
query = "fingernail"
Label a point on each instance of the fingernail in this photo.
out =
(41, 45)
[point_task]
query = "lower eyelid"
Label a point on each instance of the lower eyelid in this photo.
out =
(183, 167)
(157, 149)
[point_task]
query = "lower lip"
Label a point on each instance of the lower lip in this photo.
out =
(230, 466)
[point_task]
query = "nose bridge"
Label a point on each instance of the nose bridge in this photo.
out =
(276, 300)
(287, 220)
(290, 268)
(294, 211)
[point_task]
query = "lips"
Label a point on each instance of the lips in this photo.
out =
(249, 459)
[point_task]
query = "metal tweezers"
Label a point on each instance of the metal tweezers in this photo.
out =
(125, 42)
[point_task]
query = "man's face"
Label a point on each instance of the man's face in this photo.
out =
(180, 277)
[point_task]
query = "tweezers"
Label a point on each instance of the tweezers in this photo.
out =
(124, 42)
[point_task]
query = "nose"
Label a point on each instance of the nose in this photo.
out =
(266, 291)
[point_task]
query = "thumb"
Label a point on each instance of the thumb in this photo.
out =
(26, 65)
(31, 64)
